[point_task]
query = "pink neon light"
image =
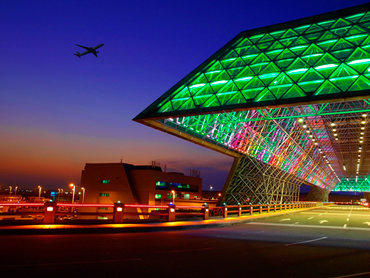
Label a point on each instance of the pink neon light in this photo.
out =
(145, 206)
(22, 204)
(84, 205)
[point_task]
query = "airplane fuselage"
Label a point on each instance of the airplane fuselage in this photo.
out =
(89, 50)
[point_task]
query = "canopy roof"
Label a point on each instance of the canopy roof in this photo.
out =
(294, 95)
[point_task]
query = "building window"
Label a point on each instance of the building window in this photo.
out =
(105, 181)
(162, 185)
(158, 196)
(104, 194)
(104, 208)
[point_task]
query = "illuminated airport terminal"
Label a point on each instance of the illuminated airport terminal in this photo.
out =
(289, 102)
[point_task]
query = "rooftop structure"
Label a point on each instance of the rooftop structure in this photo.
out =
(290, 102)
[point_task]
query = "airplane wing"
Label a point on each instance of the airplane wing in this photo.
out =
(94, 54)
(87, 48)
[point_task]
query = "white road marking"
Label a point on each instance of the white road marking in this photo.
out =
(286, 219)
(345, 226)
(310, 218)
(347, 219)
(368, 223)
(309, 226)
(307, 241)
(353, 275)
(323, 221)
(296, 223)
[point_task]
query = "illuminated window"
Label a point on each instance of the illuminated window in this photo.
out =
(105, 181)
(104, 194)
(104, 208)
(158, 196)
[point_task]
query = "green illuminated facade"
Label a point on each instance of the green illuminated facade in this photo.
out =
(292, 97)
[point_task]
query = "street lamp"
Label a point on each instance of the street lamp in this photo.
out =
(39, 187)
(10, 190)
(173, 196)
(73, 190)
(16, 190)
(83, 194)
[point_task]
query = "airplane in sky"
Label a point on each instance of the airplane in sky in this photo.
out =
(89, 50)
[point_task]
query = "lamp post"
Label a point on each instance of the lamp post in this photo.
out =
(39, 187)
(73, 190)
(173, 196)
(15, 193)
(10, 190)
(83, 194)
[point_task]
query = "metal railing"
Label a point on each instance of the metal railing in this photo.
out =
(55, 213)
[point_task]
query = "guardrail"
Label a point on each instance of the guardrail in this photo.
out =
(51, 212)
(260, 208)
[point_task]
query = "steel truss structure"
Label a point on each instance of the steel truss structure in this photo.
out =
(289, 102)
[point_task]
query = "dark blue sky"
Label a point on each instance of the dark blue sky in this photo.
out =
(58, 112)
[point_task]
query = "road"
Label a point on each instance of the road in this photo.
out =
(324, 242)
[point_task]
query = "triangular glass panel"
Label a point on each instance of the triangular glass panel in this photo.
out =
(204, 90)
(211, 102)
(312, 58)
(231, 54)
(225, 97)
(355, 30)
(251, 93)
(314, 28)
(340, 31)
(229, 87)
(294, 92)
(249, 58)
(242, 50)
(254, 83)
(310, 86)
(362, 83)
(287, 41)
(216, 66)
(311, 75)
(253, 50)
(342, 54)
(265, 95)
(234, 71)
(217, 85)
(365, 25)
(264, 45)
(328, 36)
(358, 54)
(295, 74)
(167, 107)
(277, 34)
(281, 79)
(327, 88)
(258, 67)
(272, 54)
(312, 49)
(356, 39)
(359, 60)
(240, 82)
(343, 71)
(201, 79)
(284, 63)
(199, 100)
(340, 23)
(327, 59)
(286, 54)
(212, 75)
(298, 49)
(271, 67)
(237, 63)
(289, 33)
(366, 41)
(326, 70)
(313, 36)
(359, 65)
(261, 59)
(183, 92)
(227, 62)
(266, 38)
(366, 17)
(268, 77)
(354, 18)
(301, 29)
(236, 99)
(244, 42)
(344, 82)
(326, 24)
(189, 104)
(300, 41)
(246, 72)
(325, 45)
(256, 38)
(279, 90)
(276, 45)
(176, 103)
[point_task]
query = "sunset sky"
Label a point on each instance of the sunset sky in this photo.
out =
(58, 112)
